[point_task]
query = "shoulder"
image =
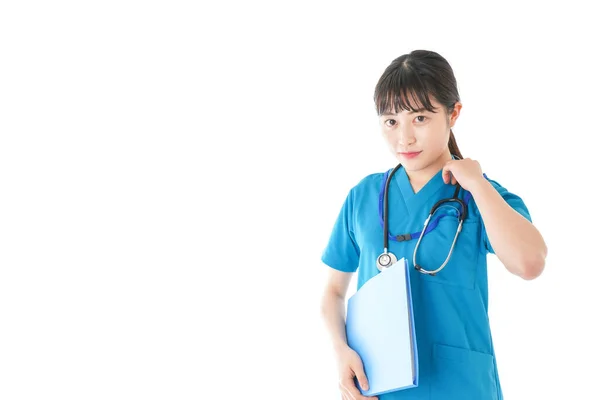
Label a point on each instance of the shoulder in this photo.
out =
(366, 182)
(503, 190)
(364, 190)
(512, 198)
(499, 188)
(367, 185)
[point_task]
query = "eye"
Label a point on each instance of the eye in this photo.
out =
(421, 118)
(390, 122)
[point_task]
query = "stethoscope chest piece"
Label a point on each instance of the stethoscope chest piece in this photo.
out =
(386, 260)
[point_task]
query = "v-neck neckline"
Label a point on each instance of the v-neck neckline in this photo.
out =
(413, 200)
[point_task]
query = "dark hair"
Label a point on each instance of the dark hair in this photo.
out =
(418, 74)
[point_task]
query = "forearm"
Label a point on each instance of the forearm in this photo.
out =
(333, 311)
(516, 242)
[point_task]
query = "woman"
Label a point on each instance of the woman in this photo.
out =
(418, 104)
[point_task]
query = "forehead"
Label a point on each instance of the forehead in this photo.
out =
(408, 105)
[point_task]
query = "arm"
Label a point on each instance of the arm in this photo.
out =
(516, 242)
(333, 309)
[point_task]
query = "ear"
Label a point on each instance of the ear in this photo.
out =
(455, 113)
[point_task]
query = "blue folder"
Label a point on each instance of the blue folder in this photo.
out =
(380, 328)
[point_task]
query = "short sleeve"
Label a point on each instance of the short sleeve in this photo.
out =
(342, 252)
(514, 201)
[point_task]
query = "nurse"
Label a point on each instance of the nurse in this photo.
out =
(418, 103)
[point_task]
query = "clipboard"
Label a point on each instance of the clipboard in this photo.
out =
(380, 328)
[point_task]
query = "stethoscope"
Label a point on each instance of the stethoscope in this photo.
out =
(387, 259)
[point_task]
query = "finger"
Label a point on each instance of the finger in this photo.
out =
(355, 393)
(344, 387)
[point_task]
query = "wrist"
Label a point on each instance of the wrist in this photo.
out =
(340, 346)
(478, 185)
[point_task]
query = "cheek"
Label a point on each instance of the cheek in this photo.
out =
(389, 138)
(434, 138)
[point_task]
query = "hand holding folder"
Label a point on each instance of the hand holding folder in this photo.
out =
(380, 328)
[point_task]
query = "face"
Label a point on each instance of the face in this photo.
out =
(419, 140)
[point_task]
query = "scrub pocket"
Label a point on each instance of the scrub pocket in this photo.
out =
(461, 269)
(462, 374)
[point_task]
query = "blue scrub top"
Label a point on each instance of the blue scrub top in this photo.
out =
(456, 353)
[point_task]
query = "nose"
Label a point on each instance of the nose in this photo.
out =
(406, 137)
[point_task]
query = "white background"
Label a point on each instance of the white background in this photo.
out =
(170, 173)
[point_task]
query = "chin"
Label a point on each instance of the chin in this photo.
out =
(411, 165)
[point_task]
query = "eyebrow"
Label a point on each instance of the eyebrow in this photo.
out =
(420, 110)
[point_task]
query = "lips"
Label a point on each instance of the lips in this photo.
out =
(411, 154)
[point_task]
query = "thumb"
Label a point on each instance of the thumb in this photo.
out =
(446, 173)
(361, 377)
(448, 176)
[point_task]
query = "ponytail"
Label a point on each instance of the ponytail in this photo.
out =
(453, 146)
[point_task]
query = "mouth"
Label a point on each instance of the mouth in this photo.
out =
(411, 154)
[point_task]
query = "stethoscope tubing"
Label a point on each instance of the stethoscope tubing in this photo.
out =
(389, 257)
